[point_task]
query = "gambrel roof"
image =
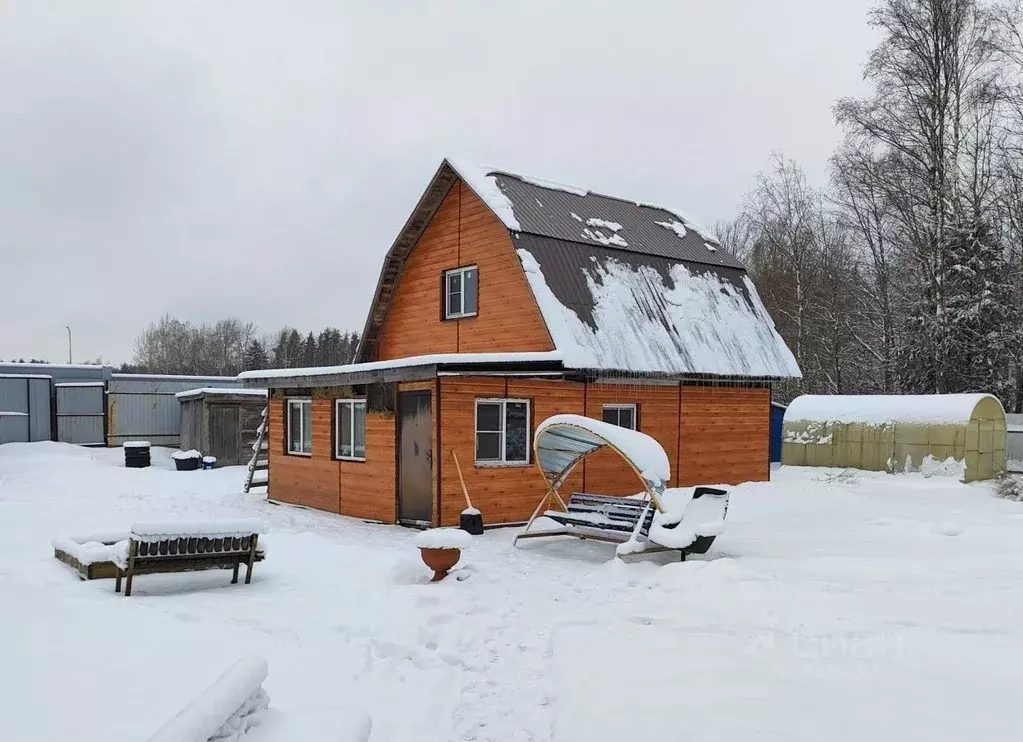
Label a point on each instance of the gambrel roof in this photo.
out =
(621, 286)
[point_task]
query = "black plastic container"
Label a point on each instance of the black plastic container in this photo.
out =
(136, 455)
(189, 464)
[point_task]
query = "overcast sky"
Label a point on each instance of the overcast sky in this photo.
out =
(256, 159)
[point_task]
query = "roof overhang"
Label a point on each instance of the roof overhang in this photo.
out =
(414, 368)
(394, 261)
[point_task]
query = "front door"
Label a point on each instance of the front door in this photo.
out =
(415, 458)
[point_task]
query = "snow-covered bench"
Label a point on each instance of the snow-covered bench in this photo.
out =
(615, 519)
(176, 546)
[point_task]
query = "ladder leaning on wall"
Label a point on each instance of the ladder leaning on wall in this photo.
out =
(260, 460)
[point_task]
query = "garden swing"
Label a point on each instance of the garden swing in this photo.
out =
(637, 524)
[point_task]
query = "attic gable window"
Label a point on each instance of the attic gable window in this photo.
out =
(460, 292)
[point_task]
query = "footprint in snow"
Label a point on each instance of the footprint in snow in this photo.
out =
(947, 529)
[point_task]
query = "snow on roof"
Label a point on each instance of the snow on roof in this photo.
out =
(220, 390)
(584, 435)
(12, 413)
(25, 376)
(172, 377)
(484, 185)
(79, 383)
(410, 361)
(882, 409)
(693, 322)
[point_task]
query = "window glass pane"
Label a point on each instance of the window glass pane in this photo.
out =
(294, 427)
(516, 433)
(611, 415)
(488, 416)
(625, 418)
(359, 430)
(454, 293)
(307, 427)
(344, 420)
(469, 290)
(488, 446)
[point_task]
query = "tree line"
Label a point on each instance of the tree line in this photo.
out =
(904, 273)
(230, 346)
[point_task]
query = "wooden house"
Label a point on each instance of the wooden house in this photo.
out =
(504, 300)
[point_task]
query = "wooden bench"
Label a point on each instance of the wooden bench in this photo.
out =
(186, 547)
(615, 519)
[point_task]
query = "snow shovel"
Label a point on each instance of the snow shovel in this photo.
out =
(472, 519)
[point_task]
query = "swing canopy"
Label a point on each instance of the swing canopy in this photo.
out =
(563, 441)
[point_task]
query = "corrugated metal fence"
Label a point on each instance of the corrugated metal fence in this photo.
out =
(91, 405)
(143, 406)
(24, 408)
(81, 412)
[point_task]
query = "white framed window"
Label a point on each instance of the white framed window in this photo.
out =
(502, 432)
(350, 429)
(300, 427)
(622, 415)
(460, 292)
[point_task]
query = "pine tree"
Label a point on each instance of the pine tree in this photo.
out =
(308, 355)
(255, 356)
(292, 349)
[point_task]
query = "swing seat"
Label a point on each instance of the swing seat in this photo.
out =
(610, 518)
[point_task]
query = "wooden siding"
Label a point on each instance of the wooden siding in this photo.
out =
(725, 435)
(462, 232)
(721, 437)
(303, 480)
(367, 487)
(657, 411)
(359, 489)
(505, 494)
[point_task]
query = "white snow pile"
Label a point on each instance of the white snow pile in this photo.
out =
(613, 240)
(674, 226)
(483, 183)
(644, 452)
(950, 467)
(884, 409)
(686, 220)
(185, 455)
(604, 223)
(88, 550)
(443, 538)
(137, 444)
(209, 459)
(699, 323)
(221, 528)
(704, 516)
(710, 247)
(225, 711)
(11, 413)
(471, 511)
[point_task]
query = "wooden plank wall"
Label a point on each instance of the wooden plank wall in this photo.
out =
(463, 232)
(356, 488)
(713, 435)
(726, 432)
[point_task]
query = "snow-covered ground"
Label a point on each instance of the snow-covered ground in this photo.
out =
(886, 608)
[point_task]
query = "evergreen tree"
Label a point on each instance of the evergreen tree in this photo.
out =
(308, 356)
(292, 349)
(255, 356)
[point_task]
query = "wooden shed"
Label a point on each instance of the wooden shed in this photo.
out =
(221, 422)
(954, 433)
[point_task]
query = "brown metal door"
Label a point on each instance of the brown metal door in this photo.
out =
(415, 458)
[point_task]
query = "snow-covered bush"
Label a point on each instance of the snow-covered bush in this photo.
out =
(1010, 486)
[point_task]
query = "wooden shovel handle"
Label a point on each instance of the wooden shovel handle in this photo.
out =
(465, 492)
